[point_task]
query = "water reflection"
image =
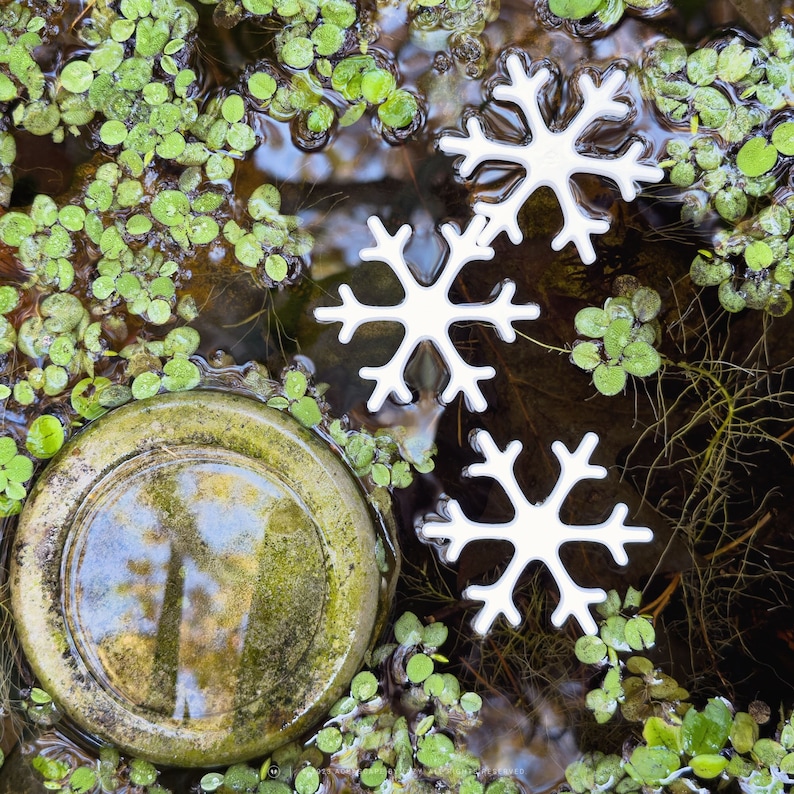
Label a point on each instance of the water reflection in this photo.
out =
(191, 617)
(534, 745)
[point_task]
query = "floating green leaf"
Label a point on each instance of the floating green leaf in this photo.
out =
(298, 52)
(142, 773)
(756, 157)
(586, 355)
(639, 631)
(85, 397)
(170, 207)
(419, 667)
(329, 740)
(658, 732)
(306, 411)
(744, 732)
(590, 649)
(145, 385)
(50, 768)
(640, 359)
(364, 686)
(434, 750)
(82, 780)
(45, 436)
(652, 765)
(307, 781)
(211, 782)
(707, 731)
(276, 267)
(573, 9)
(408, 629)
(262, 85)
(701, 66)
(377, 85)
(372, 776)
(180, 374)
(77, 76)
(609, 380)
(399, 110)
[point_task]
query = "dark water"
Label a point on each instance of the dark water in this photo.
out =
(724, 627)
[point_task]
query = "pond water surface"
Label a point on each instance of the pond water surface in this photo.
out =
(719, 572)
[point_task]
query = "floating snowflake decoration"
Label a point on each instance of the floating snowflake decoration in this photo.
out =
(426, 313)
(536, 532)
(552, 157)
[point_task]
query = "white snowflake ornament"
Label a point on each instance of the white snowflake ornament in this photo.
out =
(552, 157)
(536, 532)
(426, 313)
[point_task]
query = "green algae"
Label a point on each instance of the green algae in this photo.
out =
(306, 587)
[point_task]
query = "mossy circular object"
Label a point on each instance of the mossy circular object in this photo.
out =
(194, 578)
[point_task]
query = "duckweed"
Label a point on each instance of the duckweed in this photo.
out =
(45, 436)
(624, 334)
(739, 89)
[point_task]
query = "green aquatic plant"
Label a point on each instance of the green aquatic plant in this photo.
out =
(143, 32)
(401, 723)
(405, 732)
(683, 748)
(275, 243)
(363, 82)
(621, 338)
(319, 42)
(15, 471)
(66, 343)
(39, 707)
(738, 90)
(458, 25)
(109, 772)
(45, 437)
(24, 27)
(730, 86)
(309, 98)
(381, 455)
(607, 12)
(159, 188)
(301, 398)
(135, 88)
(751, 265)
(384, 458)
(647, 691)
(719, 403)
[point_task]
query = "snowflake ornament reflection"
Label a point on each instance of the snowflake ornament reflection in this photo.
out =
(552, 157)
(536, 532)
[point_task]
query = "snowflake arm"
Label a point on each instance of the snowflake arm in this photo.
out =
(353, 314)
(464, 378)
(476, 147)
(390, 249)
(521, 86)
(390, 377)
(574, 467)
(626, 171)
(536, 532)
(551, 157)
(426, 313)
(598, 102)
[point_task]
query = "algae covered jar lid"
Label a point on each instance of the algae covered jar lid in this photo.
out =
(194, 578)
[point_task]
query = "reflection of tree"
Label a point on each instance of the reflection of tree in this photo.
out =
(165, 665)
(221, 624)
(282, 618)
